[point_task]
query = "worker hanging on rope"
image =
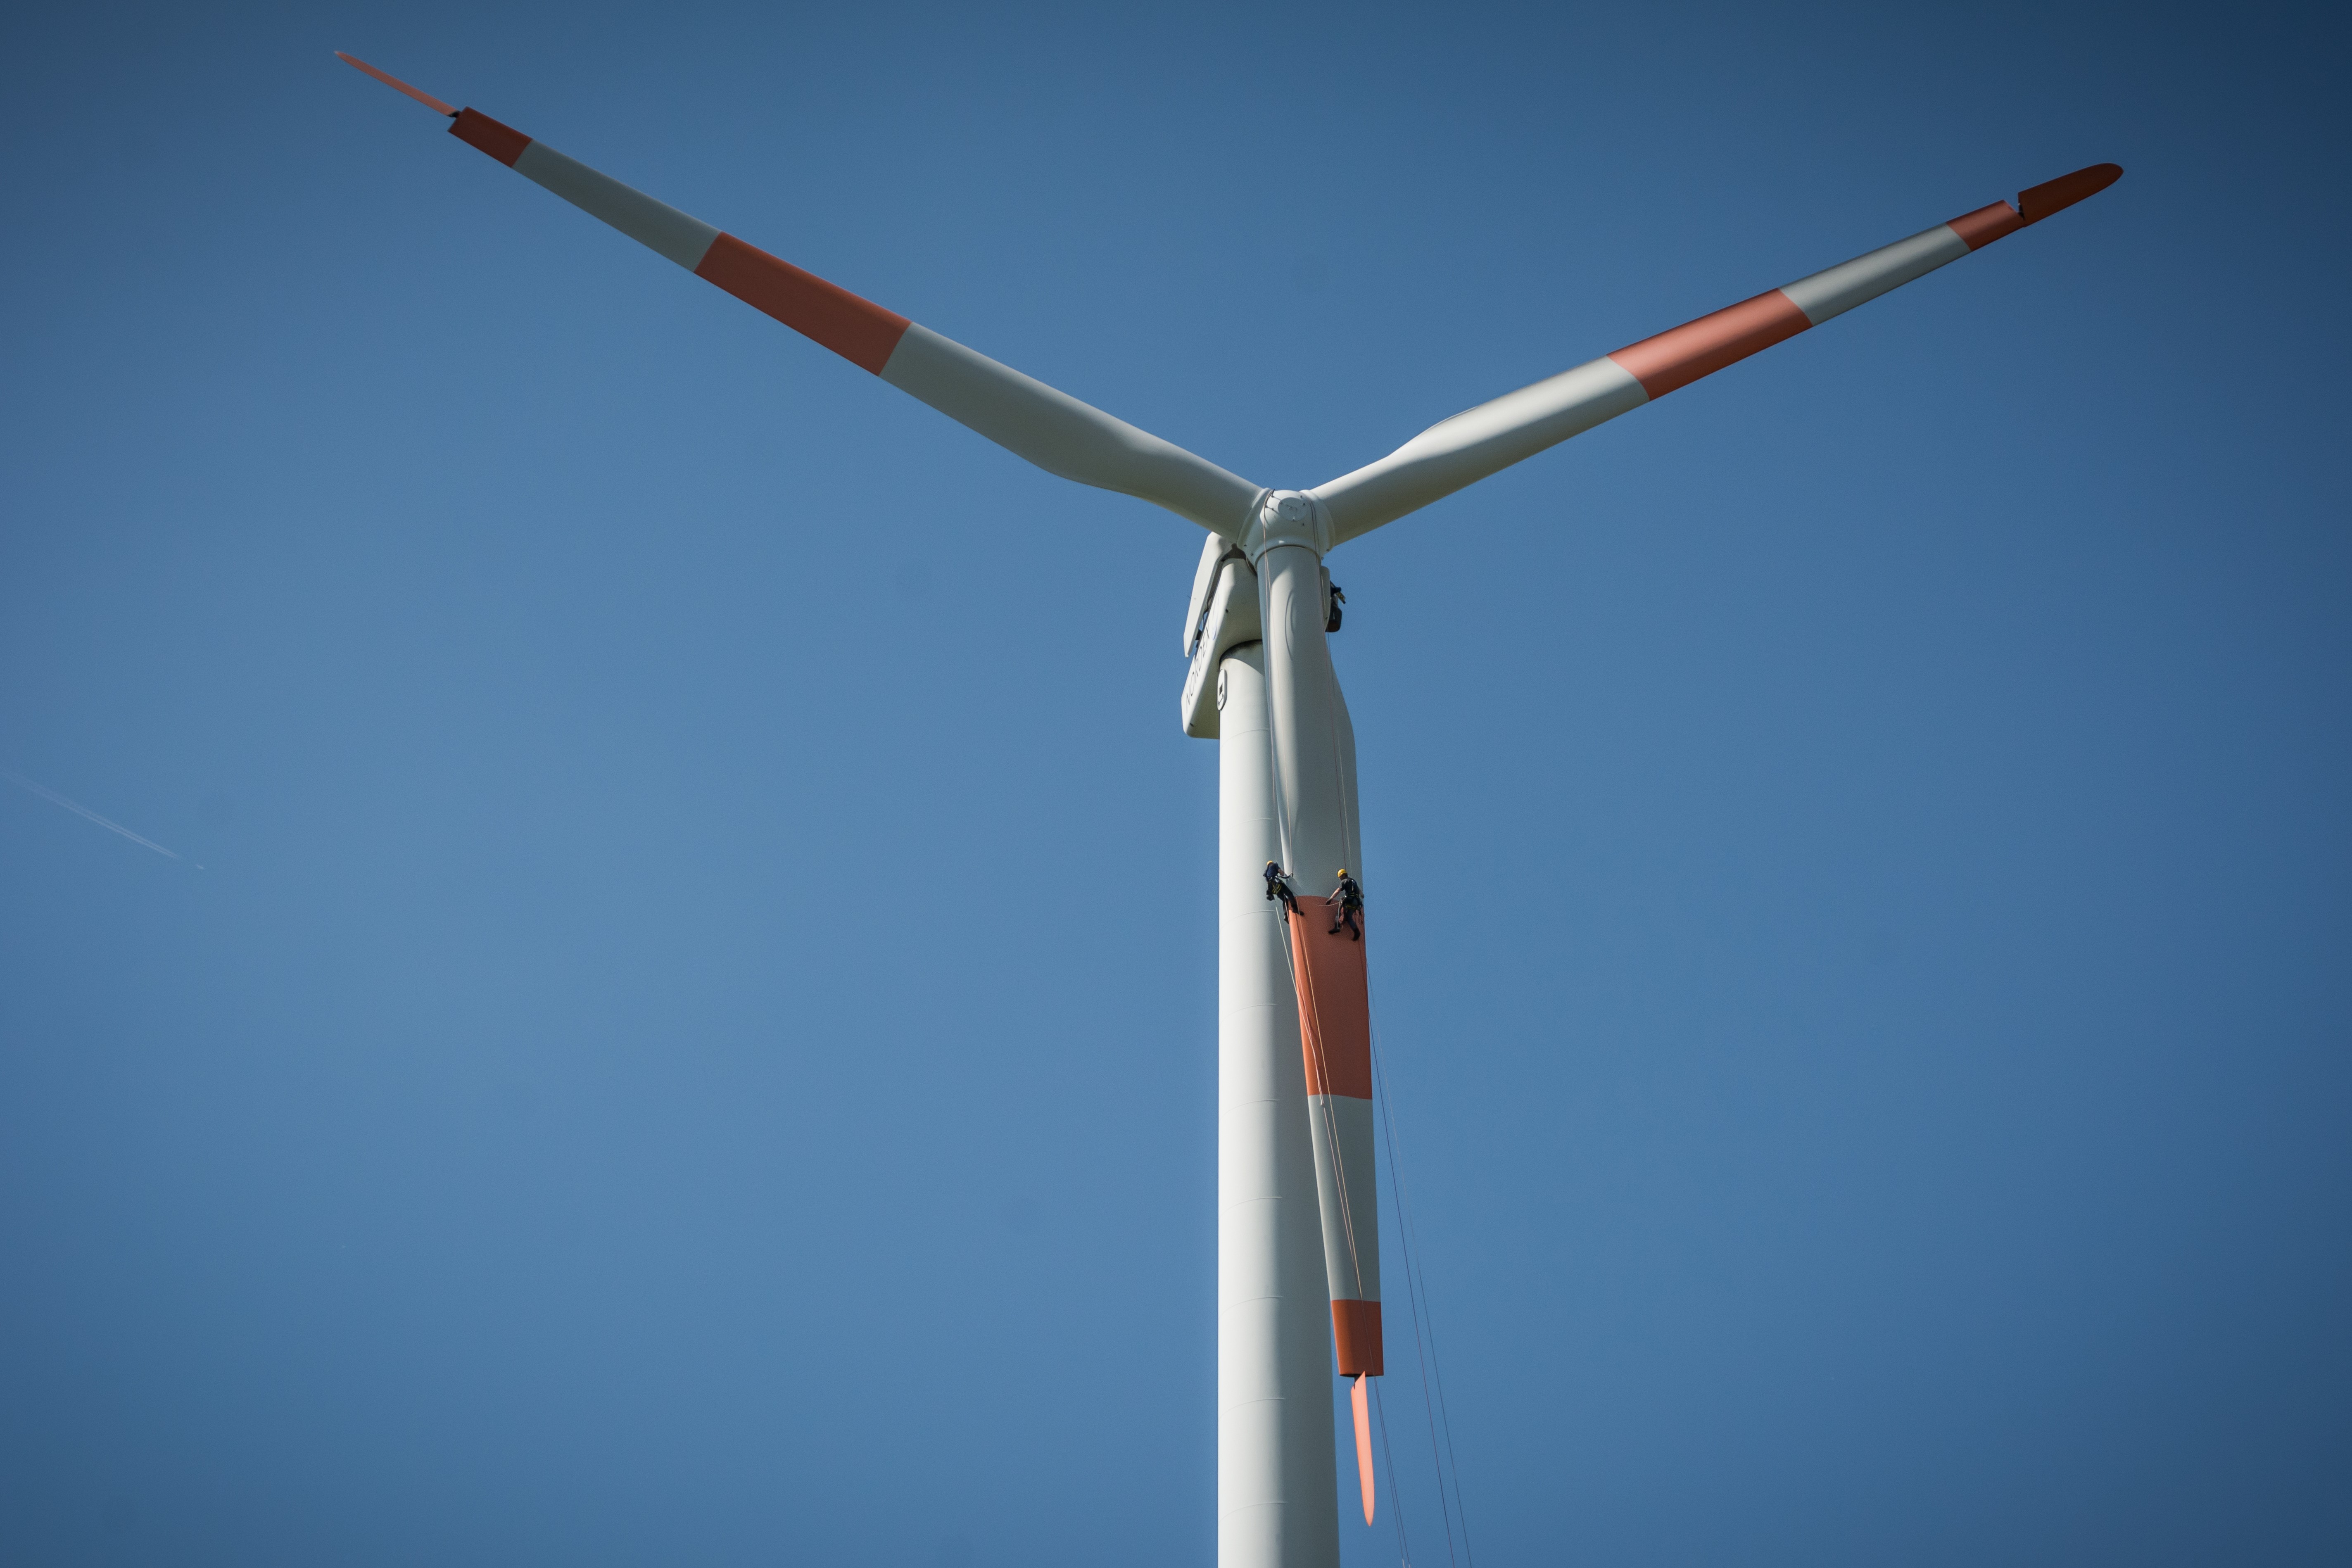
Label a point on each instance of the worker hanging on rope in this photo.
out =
(1350, 902)
(1277, 886)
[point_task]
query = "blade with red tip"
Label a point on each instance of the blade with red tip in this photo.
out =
(1363, 1443)
(1472, 444)
(1028, 418)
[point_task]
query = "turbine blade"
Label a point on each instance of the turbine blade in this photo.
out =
(1492, 437)
(1049, 427)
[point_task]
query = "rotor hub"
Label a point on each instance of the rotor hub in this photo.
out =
(1287, 518)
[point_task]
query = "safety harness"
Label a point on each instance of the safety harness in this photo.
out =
(1348, 900)
(1277, 886)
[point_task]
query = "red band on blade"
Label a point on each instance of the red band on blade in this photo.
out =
(476, 129)
(1680, 356)
(2054, 195)
(1334, 1012)
(393, 82)
(1356, 1335)
(857, 330)
(1982, 227)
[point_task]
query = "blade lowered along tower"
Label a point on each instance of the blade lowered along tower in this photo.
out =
(1298, 1235)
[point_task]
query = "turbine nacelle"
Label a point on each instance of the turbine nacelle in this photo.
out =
(1224, 612)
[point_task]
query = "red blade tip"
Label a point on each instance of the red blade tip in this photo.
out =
(2055, 195)
(393, 82)
(1363, 1444)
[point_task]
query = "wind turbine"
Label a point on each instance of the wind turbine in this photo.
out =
(1296, 1226)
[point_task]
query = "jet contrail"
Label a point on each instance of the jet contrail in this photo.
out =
(80, 810)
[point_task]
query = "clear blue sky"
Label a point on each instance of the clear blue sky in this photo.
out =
(693, 1039)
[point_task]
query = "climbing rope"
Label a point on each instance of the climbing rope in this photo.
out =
(1396, 1496)
(1417, 1309)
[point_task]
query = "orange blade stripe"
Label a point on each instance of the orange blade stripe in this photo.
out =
(479, 131)
(1356, 1338)
(1335, 1014)
(1680, 355)
(859, 330)
(1982, 227)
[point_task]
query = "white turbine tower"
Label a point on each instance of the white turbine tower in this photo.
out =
(1297, 1216)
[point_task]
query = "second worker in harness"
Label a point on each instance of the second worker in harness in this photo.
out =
(1347, 902)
